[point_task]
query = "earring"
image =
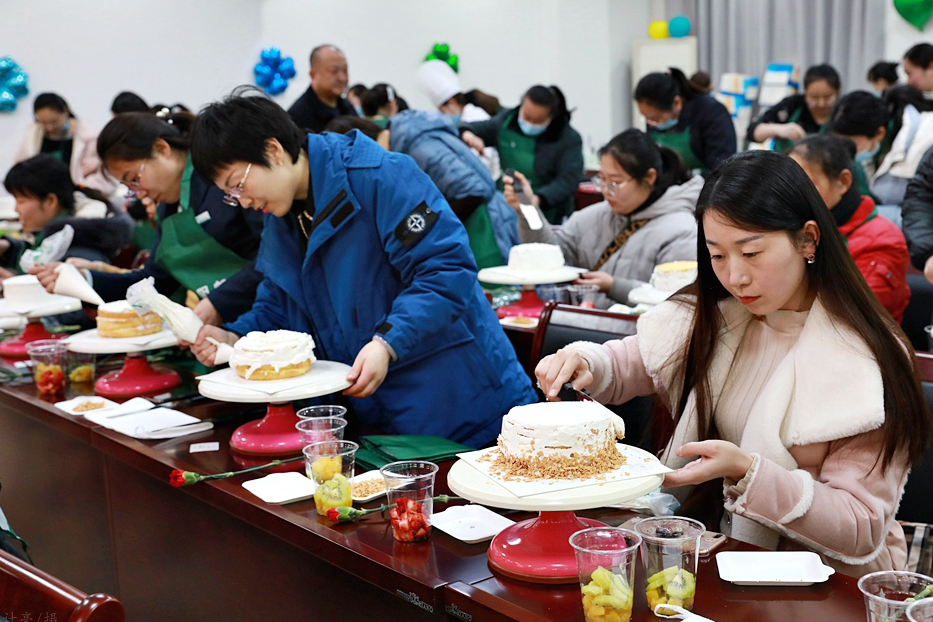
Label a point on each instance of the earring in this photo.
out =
(811, 258)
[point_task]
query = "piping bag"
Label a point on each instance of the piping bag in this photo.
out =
(181, 320)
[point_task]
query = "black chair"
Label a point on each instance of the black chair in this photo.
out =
(916, 509)
(560, 325)
(919, 311)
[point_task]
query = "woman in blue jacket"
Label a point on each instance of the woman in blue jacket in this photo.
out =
(361, 251)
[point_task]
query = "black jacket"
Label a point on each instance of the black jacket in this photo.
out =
(917, 212)
(311, 114)
(232, 226)
(712, 133)
(782, 111)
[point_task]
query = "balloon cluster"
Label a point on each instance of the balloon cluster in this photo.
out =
(14, 83)
(679, 26)
(916, 12)
(273, 72)
(441, 51)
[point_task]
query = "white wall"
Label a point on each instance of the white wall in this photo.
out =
(900, 36)
(195, 52)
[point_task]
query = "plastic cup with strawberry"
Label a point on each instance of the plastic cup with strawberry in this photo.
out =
(410, 488)
(48, 359)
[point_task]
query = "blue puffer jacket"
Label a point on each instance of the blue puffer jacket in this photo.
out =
(388, 256)
(432, 140)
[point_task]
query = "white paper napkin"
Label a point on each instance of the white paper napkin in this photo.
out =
(531, 216)
(71, 283)
(282, 487)
(152, 424)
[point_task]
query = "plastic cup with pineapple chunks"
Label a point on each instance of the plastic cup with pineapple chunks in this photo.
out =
(606, 565)
(669, 548)
(330, 465)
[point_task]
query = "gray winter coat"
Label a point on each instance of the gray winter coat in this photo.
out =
(670, 235)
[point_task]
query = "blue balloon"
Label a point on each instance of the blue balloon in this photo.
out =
(18, 83)
(273, 72)
(277, 86)
(7, 100)
(270, 55)
(679, 26)
(263, 74)
(287, 68)
(14, 83)
(6, 66)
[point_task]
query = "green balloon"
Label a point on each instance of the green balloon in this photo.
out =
(431, 57)
(441, 48)
(916, 12)
(454, 62)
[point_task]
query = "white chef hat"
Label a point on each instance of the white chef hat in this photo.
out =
(439, 80)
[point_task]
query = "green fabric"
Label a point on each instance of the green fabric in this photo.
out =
(144, 235)
(381, 120)
(193, 258)
(680, 142)
(783, 144)
(379, 450)
(860, 179)
(483, 238)
(517, 151)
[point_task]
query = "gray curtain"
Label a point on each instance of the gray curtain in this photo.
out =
(745, 35)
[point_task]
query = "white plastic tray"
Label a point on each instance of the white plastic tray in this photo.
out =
(365, 477)
(90, 342)
(772, 567)
(502, 275)
(53, 306)
(324, 378)
(282, 488)
(519, 321)
(470, 523)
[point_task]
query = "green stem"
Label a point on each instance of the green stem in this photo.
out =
(252, 468)
(903, 609)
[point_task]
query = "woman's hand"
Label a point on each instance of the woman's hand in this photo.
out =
(368, 371)
(717, 459)
(473, 141)
(203, 349)
(208, 314)
(562, 366)
(791, 131)
(928, 269)
(603, 279)
(46, 274)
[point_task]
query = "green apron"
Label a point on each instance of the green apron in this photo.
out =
(518, 151)
(781, 145)
(381, 120)
(483, 239)
(193, 258)
(680, 142)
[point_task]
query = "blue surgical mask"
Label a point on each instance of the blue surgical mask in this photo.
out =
(66, 127)
(863, 157)
(530, 129)
(455, 118)
(666, 125)
(359, 110)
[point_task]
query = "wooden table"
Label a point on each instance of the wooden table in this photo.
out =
(100, 514)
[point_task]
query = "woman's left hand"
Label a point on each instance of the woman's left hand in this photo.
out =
(602, 279)
(716, 459)
(208, 314)
(368, 371)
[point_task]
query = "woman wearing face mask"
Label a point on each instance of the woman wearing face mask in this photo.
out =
(379, 104)
(58, 132)
(876, 244)
(684, 118)
(47, 200)
(891, 135)
(798, 115)
(203, 244)
(536, 139)
(786, 377)
(646, 218)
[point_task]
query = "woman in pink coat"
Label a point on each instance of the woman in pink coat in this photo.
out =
(785, 376)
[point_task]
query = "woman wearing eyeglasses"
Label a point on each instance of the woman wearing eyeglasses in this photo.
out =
(646, 218)
(203, 243)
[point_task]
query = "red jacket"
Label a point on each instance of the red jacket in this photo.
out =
(880, 252)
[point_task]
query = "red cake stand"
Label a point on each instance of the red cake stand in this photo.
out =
(137, 376)
(530, 304)
(274, 435)
(15, 347)
(538, 550)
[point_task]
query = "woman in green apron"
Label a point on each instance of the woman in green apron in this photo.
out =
(536, 140)
(204, 244)
(683, 118)
(379, 104)
(799, 115)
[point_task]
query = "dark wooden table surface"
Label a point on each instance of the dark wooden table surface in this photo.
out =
(100, 514)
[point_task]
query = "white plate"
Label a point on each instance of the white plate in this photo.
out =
(647, 295)
(281, 487)
(365, 477)
(12, 322)
(502, 275)
(90, 342)
(225, 385)
(772, 567)
(53, 306)
(69, 405)
(470, 523)
(528, 322)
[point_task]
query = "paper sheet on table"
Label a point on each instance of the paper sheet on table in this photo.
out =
(638, 464)
(71, 283)
(532, 217)
(141, 424)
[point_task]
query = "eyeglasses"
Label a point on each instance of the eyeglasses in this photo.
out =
(135, 185)
(608, 188)
(232, 196)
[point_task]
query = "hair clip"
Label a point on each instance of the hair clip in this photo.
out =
(390, 93)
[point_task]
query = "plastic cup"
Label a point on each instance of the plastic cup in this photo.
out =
(331, 410)
(921, 611)
(559, 293)
(81, 367)
(321, 429)
(669, 547)
(584, 295)
(606, 566)
(410, 488)
(886, 591)
(48, 365)
(330, 465)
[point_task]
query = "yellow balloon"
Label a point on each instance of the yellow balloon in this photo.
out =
(658, 29)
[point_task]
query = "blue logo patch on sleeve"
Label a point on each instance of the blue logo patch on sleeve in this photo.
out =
(415, 225)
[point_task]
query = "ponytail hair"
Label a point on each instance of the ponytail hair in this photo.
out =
(552, 98)
(131, 135)
(658, 90)
(375, 98)
(636, 153)
(44, 174)
(53, 101)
